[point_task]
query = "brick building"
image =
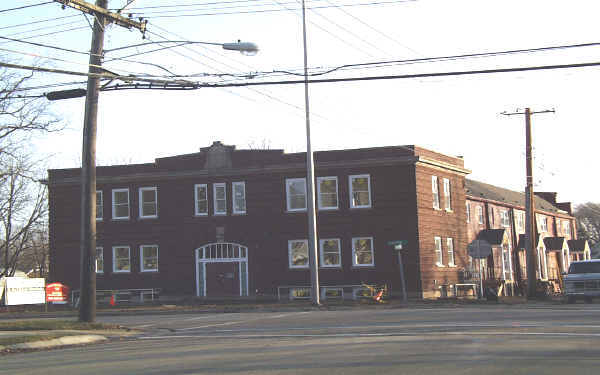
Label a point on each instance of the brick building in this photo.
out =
(497, 215)
(228, 222)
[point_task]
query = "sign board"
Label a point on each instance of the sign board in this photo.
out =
(57, 293)
(479, 249)
(398, 245)
(24, 291)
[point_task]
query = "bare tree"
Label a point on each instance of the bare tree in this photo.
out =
(23, 200)
(588, 222)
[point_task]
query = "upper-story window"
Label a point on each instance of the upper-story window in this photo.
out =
(148, 202)
(99, 260)
(543, 220)
(360, 191)
(566, 228)
(296, 194)
(327, 192)
(520, 221)
(362, 252)
(120, 204)
(201, 199)
(447, 196)
(330, 252)
(504, 219)
(239, 197)
(480, 214)
(439, 260)
(468, 212)
(220, 199)
(298, 253)
(99, 205)
(435, 189)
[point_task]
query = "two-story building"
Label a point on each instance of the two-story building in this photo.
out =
(228, 222)
(497, 215)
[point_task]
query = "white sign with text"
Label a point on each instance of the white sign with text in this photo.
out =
(24, 291)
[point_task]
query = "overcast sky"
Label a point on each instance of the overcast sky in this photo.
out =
(454, 115)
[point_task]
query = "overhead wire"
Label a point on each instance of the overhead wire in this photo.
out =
(39, 21)
(371, 27)
(275, 10)
(25, 6)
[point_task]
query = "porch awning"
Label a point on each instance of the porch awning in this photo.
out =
(555, 243)
(493, 236)
(578, 245)
(537, 239)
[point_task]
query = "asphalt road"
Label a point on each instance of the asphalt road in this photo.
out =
(470, 340)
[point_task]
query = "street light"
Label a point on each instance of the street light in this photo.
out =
(245, 48)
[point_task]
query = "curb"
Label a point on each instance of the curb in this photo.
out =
(61, 341)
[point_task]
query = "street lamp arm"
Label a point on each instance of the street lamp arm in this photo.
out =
(243, 47)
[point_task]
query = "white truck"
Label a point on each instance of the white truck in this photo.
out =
(582, 281)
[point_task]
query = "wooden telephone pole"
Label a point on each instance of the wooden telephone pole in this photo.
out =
(102, 17)
(532, 265)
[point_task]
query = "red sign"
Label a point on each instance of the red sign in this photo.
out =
(57, 292)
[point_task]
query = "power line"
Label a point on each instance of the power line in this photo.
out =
(377, 78)
(40, 21)
(279, 10)
(25, 6)
(45, 45)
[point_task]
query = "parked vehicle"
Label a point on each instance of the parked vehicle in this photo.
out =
(582, 281)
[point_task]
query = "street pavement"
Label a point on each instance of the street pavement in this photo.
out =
(496, 339)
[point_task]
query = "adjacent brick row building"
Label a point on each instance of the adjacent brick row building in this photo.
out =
(227, 222)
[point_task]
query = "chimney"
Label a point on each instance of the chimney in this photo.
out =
(565, 206)
(549, 196)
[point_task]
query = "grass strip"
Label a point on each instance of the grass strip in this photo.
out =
(48, 325)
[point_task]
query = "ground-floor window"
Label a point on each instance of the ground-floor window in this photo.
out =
(121, 259)
(300, 293)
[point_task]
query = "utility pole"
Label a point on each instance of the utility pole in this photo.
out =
(532, 265)
(87, 299)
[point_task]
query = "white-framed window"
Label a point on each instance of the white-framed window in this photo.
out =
(447, 196)
(332, 293)
(566, 227)
(480, 214)
(99, 259)
(149, 258)
(239, 197)
(468, 212)
(504, 219)
(439, 259)
(330, 252)
(360, 190)
(435, 189)
(148, 202)
(120, 204)
(295, 189)
(363, 252)
(298, 253)
(121, 259)
(327, 192)
(450, 249)
(99, 205)
(362, 292)
(543, 220)
(220, 198)
(201, 199)
(506, 262)
(300, 293)
(542, 267)
(520, 216)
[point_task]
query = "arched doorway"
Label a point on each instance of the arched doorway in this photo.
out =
(222, 270)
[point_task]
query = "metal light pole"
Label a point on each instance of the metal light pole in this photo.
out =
(310, 183)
